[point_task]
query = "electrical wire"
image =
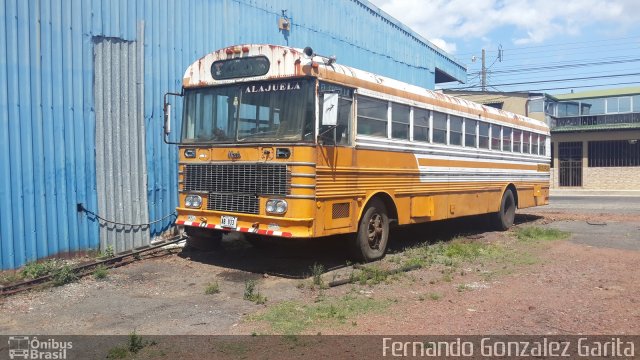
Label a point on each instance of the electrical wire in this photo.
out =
(580, 86)
(559, 44)
(563, 65)
(83, 209)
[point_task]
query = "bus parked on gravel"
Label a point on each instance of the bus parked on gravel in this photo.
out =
(281, 142)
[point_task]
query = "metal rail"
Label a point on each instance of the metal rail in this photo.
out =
(87, 269)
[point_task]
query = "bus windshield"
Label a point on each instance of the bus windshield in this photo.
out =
(273, 111)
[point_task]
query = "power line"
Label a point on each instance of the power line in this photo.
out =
(585, 86)
(555, 80)
(528, 74)
(564, 87)
(558, 44)
(561, 64)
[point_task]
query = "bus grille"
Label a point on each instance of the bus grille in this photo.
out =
(248, 204)
(236, 187)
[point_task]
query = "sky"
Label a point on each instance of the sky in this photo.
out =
(552, 46)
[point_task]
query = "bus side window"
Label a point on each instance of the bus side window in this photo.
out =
(439, 128)
(372, 117)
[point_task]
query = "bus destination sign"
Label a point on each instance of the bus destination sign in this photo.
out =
(237, 68)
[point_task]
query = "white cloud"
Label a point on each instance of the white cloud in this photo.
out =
(531, 21)
(444, 45)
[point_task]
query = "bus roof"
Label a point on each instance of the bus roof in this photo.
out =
(287, 62)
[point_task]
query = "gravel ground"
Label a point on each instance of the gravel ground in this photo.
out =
(585, 284)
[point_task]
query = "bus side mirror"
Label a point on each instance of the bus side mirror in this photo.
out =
(330, 109)
(167, 115)
(167, 119)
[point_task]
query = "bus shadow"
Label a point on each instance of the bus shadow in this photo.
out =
(287, 258)
(471, 227)
(295, 258)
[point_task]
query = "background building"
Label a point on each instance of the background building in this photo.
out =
(595, 140)
(528, 104)
(595, 135)
(81, 86)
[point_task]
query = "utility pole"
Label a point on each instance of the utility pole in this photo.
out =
(484, 72)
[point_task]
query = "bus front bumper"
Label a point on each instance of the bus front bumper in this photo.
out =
(247, 223)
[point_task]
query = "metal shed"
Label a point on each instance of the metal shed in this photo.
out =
(81, 85)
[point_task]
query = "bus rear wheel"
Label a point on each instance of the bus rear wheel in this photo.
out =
(370, 242)
(504, 218)
(203, 239)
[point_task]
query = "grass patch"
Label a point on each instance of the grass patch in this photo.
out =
(251, 294)
(451, 253)
(63, 275)
(535, 234)
(135, 343)
(435, 296)
(291, 317)
(10, 277)
(372, 275)
(34, 270)
(60, 272)
(100, 272)
(212, 288)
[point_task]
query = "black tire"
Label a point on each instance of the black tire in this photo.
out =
(203, 239)
(370, 242)
(503, 219)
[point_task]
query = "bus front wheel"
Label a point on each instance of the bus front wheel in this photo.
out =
(504, 218)
(370, 242)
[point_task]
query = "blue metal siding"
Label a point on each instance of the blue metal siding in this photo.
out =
(47, 119)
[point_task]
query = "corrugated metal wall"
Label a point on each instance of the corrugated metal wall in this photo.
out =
(47, 131)
(47, 106)
(121, 167)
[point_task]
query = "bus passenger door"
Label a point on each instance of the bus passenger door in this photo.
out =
(335, 176)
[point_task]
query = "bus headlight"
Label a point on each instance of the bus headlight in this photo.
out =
(276, 206)
(193, 201)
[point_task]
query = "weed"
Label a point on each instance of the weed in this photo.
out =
(421, 297)
(34, 270)
(535, 233)
(109, 252)
(300, 285)
(414, 261)
(10, 277)
(462, 287)
(292, 317)
(372, 275)
(212, 288)
(100, 272)
(63, 275)
(251, 294)
(316, 271)
(435, 296)
(118, 352)
(135, 343)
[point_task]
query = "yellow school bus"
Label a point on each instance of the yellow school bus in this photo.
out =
(282, 142)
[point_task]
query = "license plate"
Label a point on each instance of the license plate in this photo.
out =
(229, 221)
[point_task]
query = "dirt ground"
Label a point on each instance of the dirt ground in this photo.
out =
(481, 282)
